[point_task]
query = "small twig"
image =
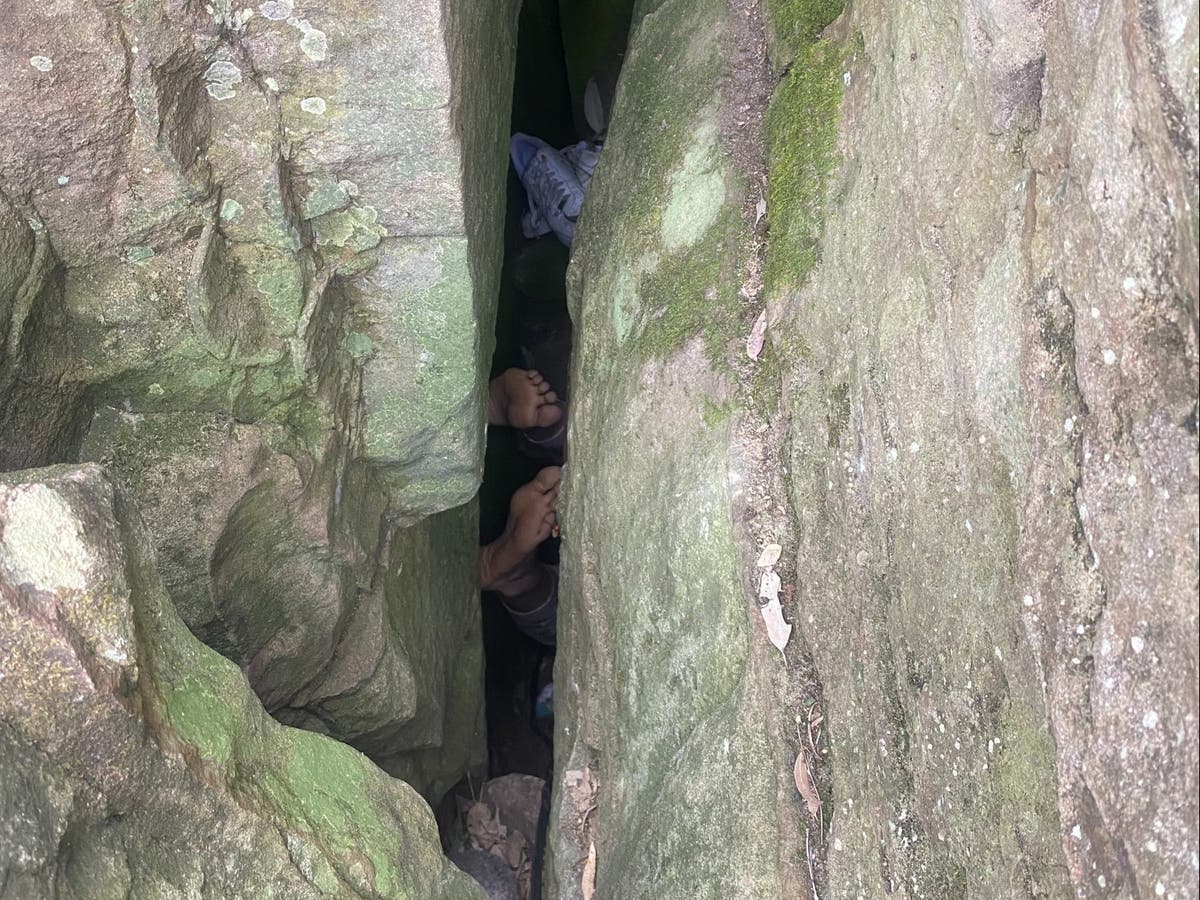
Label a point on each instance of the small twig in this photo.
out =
(812, 875)
(587, 812)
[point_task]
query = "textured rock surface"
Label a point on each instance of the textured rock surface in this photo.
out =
(978, 405)
(250, 258)
(992, 380)
(135, 761)
(659, 685)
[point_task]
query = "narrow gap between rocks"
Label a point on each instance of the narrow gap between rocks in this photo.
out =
(568, 59)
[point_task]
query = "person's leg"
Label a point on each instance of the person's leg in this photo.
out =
(533, 606)
(531, 518)
(509, 566)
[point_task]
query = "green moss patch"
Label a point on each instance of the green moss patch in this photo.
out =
(796, 24)
(693, 293)
(801, 149)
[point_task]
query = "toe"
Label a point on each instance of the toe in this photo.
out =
(548, 478)
(549, 396)
(549, 415)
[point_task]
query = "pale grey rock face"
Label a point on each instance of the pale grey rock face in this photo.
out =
(660, 691)
(978, 447)
(247, 260)
(135, 761)
(994, 467)
(250, 257)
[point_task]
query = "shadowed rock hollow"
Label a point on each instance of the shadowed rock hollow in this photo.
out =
(904, 296)
(250, 264)
(137, 762)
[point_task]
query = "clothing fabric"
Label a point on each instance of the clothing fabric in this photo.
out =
(540, 623)
(530, 597)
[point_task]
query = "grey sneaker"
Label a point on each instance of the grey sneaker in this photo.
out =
(552, 187)
(583, 158)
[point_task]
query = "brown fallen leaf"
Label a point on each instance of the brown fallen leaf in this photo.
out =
(758, 334)
(778, 630)
(769, 556)
(768, 586)
(515, 849)
(587, 885)
(806, 786)
(484, 826)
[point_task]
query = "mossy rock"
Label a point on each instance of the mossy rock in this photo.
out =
(220, 797)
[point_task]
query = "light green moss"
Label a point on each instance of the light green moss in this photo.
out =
(198, 707)
(697, 188)
(325, 783)
(358, 345)
(801, 146)
(678, 237)
(1027, 784)
(690, 294)
(796, 24)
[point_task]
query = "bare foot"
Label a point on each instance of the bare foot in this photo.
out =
(522, 398)
(531, 518)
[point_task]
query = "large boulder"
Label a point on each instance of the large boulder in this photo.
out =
(988, 334)
(663, 697)
(972, 430)
(250, 258)
(135, 761)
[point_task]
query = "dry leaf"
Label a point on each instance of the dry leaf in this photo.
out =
(769, 556)
(758, 334)
(587, 885)
(760, 210)
(769, 586)
(525, 880)
(479, 816)
(515, 849)
(778, 630)
(806, 786)
(484, 827)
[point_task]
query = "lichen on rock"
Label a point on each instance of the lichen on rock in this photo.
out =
(249, 263)
(148, 752)
(981, 455)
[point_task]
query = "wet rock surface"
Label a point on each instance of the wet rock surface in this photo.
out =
(135, 761)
